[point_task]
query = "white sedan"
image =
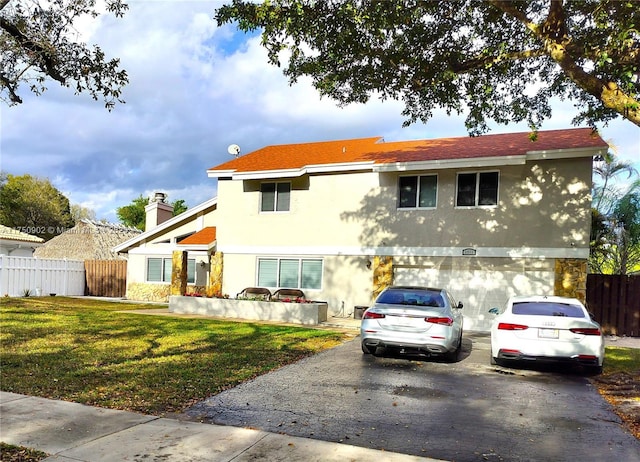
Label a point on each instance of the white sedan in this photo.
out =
(546, 328)
(417, 320)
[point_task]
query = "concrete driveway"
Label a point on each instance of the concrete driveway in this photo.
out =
(466, 411)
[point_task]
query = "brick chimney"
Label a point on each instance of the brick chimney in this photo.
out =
(157, 212)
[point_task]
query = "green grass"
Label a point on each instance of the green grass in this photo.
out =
(85, 351)
(618, 359)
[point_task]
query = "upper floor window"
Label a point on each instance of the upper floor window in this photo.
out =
(418, 191)
(159, 270)
(477, 189)
(275, 197)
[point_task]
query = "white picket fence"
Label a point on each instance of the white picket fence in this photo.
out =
(39, 276)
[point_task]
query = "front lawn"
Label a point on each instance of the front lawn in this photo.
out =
(86, 351)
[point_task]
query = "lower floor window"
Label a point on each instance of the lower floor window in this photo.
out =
(159, 270)
(290, 273)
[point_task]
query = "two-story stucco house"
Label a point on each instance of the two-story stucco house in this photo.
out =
(486, 217)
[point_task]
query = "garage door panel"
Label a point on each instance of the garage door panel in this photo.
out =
(479, 290)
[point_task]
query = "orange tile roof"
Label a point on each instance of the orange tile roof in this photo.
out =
(203, 237)
(377, 151)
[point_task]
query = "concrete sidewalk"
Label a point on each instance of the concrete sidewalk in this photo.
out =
(72, 432)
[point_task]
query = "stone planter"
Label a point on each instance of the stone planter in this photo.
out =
(295, 313)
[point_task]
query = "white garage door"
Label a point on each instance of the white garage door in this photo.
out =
(478, 289)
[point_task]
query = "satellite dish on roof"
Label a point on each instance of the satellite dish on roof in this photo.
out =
(234, 150)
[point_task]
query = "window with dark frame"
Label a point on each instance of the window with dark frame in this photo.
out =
(417, 191)
(477, 189)
(275, 197)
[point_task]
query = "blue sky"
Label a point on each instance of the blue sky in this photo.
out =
(194, 90)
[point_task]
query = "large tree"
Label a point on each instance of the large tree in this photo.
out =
(134, 214)
(38, 43)
(33, 205)
(615, 224)
(78, 212)
(493, 60)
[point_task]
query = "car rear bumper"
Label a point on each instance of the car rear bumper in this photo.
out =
(583, 359)
(424, 348)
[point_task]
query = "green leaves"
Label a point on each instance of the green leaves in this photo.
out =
(134, 214)
(502, 60)
(33, 205)
(36, 46)
(615, 229)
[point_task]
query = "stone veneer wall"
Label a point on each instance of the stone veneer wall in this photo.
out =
(179, 273)
(382, 274)
(145, 292)
(215, 275)
(571, 278)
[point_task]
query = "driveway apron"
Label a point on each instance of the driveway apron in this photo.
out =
(465, 411)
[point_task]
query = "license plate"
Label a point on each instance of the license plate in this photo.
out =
(548, 333)
(404, 321)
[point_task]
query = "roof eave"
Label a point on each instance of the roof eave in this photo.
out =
(195, 247)
(219, 173)
(125, 246)
(295, 172)
(571, 153)
(450, 163)
(20, 243)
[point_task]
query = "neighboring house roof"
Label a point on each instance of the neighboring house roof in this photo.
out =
(12, 234)
(163, 227)
(87, 240)
(376, 154)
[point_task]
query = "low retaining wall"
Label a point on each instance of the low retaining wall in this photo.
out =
(296, 313)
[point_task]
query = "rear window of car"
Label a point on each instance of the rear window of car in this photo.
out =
(411, 297)
(548, 309)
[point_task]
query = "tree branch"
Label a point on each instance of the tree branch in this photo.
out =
(482, 62)
(10, 86)
(557, 45)
(47, 61)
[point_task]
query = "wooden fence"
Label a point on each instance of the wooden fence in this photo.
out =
(21, 276)
(615, 302)
(106, 278)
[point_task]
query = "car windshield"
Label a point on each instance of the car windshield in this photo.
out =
(548, 309)
(411, 297)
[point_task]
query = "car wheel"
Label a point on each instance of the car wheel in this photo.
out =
(368, 350)
(593, 370)
(492, 359)
(452, 356)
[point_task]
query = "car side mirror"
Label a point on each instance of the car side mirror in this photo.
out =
(494, 311)
(460, 305)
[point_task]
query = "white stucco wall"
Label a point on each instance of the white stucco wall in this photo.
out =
(347, 218)
(543, 204)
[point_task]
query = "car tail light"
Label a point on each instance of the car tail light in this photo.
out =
(586, 330)
(509, 326)
(373, 315)
(446, 321)
(587, 357)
